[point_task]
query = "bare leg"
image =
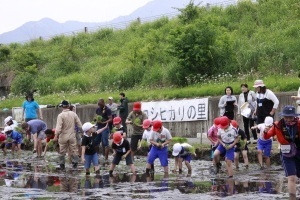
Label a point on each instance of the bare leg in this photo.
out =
(245, 156)
(236, 159)
(188, 165)
(292, 186)
(216, 157)
(35, 142)
(132, 167)
(229, 167)
(268, 162)
(19, 151)
(132, 155)
(259, 157)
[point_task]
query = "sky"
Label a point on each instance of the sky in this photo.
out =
(14, 13)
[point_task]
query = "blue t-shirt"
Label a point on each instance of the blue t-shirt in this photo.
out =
(30, 109)
(36, 126)
(16, 135)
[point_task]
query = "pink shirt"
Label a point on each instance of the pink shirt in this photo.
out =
(212, 133)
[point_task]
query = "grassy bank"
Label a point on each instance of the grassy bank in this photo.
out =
(280, 83)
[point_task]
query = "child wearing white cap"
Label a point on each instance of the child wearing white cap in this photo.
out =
(89, 154)
(183, 152)
(16, 139)
(264, 145)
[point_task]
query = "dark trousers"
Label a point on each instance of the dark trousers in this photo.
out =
(248, 123)
(230, 115)
(123, 117)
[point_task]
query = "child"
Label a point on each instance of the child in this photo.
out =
(183, 152)
(228, 137)
(50, 133)
(160, 138)
(16, 137)
(241, 146)
(212, 135)
(89, 154)
(264, 145)
(117, 122)
(3, 143)
(147, 126)
(121, 150)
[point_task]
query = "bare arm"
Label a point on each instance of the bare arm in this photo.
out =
(40, 112)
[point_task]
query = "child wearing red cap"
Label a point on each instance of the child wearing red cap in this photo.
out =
(117, 122)
(160, 138)
(228, 137)
(121, 150)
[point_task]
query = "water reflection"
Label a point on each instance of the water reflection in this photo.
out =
(40, 179)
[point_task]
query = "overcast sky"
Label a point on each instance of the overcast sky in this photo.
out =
(14, 13)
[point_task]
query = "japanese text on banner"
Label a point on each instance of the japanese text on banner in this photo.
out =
(179, 110)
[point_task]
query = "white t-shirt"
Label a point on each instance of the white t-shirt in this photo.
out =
(161, 137)
(261, 128)
(228, 135)
(147, 135)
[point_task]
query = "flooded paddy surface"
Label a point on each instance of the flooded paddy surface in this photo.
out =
(36, 178)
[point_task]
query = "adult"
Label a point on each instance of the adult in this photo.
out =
(65, 129)
(105, 118)
(30, 108)
(267, 102)
(123, 109)
(136, 118)
(36, 128)
(287, 130)
(247, 100)
(227, 103)
(114, 109)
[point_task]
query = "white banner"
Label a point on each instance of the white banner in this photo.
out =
(177, 110)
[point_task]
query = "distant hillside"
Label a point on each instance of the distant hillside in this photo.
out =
(46, 27)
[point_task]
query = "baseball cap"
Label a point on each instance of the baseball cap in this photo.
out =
(7, 128)
(7, 119)
(86, 126)
(110, 98)
(176, 149)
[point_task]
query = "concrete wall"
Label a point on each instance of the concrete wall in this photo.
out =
(183, 129)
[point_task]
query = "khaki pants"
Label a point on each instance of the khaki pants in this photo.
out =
(68, 143)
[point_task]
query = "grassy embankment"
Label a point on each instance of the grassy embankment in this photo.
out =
(197, 54)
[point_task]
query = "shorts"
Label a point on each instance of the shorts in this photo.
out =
(41, 135)
(118, 158)
(229, 154)
(134, 141)
(89, 159)
(18, 141)
(265, 146)
(238, 149)
(162, 154)
(78, 138)
(291, 165)
(105, 135)
(187, 157)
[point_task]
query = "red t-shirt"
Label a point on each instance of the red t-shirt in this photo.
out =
(52, 137)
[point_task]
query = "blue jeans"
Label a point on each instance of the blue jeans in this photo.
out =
(89, 159)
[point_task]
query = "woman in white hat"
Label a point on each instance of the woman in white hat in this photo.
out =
(267, 102)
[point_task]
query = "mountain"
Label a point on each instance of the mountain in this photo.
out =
(47, 28)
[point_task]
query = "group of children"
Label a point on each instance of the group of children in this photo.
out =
(228, 140)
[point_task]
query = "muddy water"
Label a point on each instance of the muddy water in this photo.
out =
(33, 178)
